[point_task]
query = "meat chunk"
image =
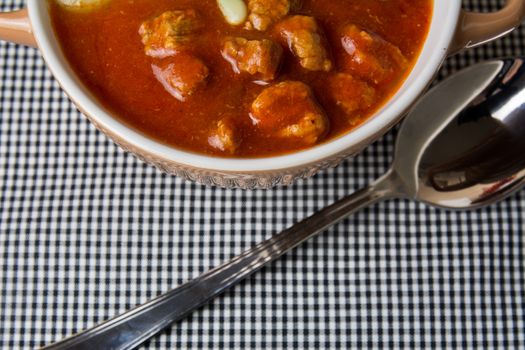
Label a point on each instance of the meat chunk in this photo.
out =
(370, 56)
(289, 109)
(181, 75)
(225, 137)
(309, 129)
(306, 40)
(166, 34)
(264, 13)
(260, 58)
(350, 94)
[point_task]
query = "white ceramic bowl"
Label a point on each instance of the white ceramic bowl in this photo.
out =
(451, 30)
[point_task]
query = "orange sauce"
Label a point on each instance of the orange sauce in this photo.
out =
(106, 52)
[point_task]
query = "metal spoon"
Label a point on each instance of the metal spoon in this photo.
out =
(461, 147)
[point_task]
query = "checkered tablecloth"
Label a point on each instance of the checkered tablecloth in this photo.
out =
(88, 231)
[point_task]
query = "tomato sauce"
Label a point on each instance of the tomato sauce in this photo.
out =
(105, 50)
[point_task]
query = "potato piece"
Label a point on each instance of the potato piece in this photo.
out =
(306, 40)
(350, 94)
(166, 34)
(234, 11)
(371, 57)
(226, 136)
(82, 5)
(289, 109)
(181, 75)
(259, 58)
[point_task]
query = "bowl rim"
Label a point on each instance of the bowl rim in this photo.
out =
(442, 22)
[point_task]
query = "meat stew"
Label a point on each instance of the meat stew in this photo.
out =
(292, 74)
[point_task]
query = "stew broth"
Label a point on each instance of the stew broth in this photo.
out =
(105, 50)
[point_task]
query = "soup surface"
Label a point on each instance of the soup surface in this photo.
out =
(287, 76)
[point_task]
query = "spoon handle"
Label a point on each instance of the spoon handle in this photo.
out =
(139, 324)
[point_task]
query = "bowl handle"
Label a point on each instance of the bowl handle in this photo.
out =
(473, 28)
(16, 27)
(478, 28)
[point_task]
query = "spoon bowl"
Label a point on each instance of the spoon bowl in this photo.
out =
(462, 145)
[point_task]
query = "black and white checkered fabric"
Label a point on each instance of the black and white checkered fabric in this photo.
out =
(88, 231)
